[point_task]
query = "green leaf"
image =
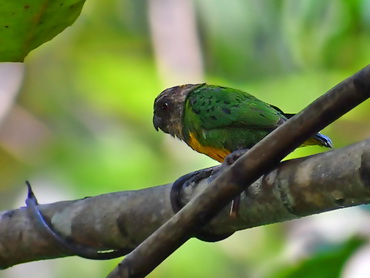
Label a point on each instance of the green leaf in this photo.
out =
(327, 264)
(26, 24)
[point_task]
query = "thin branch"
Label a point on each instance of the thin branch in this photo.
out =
(124, 219)
(263, 157)
(296, 188)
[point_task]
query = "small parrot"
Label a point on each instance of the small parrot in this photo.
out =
(217, 121)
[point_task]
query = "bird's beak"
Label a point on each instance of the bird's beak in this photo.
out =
(157, 121)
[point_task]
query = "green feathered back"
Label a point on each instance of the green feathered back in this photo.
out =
(228, 118)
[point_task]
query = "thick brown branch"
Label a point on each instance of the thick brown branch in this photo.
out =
(260, 159)
(124, 219)
(300, 187)
(296, 188)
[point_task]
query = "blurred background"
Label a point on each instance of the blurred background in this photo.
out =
(76, 119)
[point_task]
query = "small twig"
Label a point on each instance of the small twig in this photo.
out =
(260, 159)
(69, 246)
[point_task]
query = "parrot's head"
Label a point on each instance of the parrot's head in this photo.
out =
(169, 109)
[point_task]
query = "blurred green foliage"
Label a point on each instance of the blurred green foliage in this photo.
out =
(88, 95)
(327, 263)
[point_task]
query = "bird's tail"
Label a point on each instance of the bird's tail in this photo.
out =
(320, 140)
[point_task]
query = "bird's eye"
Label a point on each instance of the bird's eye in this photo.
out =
(164, 106)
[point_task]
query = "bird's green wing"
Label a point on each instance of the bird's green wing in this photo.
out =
(213, 107)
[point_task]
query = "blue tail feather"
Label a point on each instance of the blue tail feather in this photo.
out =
(323, 140)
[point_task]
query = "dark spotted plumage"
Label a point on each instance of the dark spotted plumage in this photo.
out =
(217, 120)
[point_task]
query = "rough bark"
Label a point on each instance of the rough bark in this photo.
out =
(299, 187)
(260, 159)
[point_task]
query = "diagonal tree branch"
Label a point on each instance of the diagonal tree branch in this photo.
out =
(263, 157)
(296, 188)
(124, 219)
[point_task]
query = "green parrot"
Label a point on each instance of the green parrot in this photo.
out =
(217, 121)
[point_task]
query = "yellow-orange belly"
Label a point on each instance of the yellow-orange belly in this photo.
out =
(215, 153)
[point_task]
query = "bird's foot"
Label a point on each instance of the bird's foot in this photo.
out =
(230, 159)
(66, 244)
(234, 156)
(177, 205)
(188, 180)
